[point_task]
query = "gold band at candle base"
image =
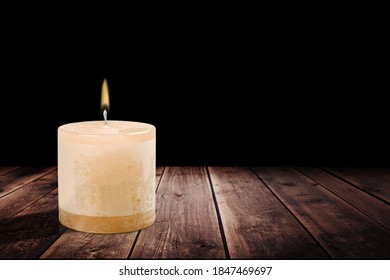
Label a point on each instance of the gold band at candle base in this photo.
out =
(101, 224)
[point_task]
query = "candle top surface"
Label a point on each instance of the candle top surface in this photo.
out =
(96, 129)
(114, 127)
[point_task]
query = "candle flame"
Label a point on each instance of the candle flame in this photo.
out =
(105, 101)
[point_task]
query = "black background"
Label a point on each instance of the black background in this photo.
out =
(217, 94)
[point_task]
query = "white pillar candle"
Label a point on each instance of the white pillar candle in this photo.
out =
(106, 176)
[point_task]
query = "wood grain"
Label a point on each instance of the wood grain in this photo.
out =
(6, 169)
(342, 230)
(372, 207)
(26, 195)
(80, 245)
(369, 180)
(17, 178)
(255, 223)
(29, 233)
(186, 224)
(295, 214)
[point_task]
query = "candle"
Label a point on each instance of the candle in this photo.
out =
(106, 175)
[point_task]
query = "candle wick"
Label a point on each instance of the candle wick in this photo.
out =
(105, 118)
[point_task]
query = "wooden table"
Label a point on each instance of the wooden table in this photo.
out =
(213, 213)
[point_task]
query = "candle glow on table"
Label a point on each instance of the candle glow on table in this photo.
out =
(106, 175)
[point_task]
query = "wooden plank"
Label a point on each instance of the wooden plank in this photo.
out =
(186, 224)
(16, 179)
(6, 169)
(255, 223)
(159, 173)
(29, 233)
(372, 207)
(23, 197)
(80, 245)
(369, 180)
(342, 230)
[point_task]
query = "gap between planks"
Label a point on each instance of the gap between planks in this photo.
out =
(220, 223)
(6, 169)
(21, 198)
(80, 245)
(96, 248)
(186, 225)
(256, 223)
(368, 205)
(31, 231)
(340, 228)
(19, 177)
(367, 180)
